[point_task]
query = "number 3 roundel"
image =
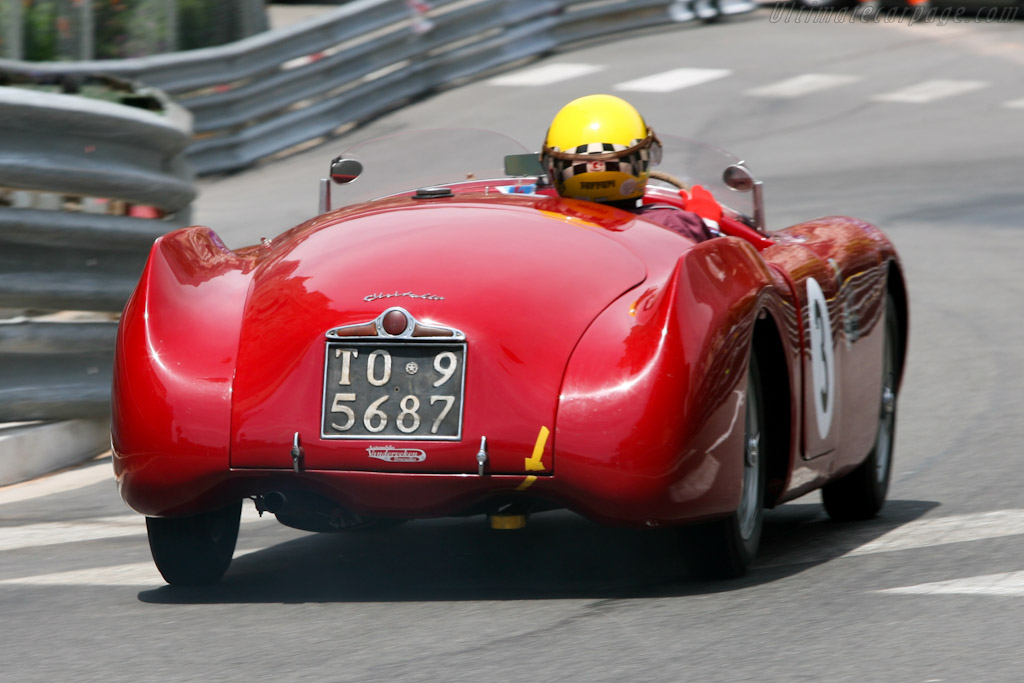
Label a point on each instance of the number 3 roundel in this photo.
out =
(823, 365)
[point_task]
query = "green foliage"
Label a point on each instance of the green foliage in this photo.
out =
(51, 29)
(112, 22)
(204, 23)
(40, 30)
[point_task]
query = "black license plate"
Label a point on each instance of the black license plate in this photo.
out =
(393, 390)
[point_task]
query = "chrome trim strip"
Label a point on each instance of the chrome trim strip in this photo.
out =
(409, 333)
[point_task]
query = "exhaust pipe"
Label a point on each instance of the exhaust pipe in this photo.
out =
(273, 502)
(307, 511)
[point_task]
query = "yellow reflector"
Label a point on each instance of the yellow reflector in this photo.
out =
(508, 521)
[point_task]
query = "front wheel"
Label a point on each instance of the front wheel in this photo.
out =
(194, 551)
(861, 493)
(725, 548)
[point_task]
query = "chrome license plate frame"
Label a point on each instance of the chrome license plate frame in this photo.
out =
(378, 389)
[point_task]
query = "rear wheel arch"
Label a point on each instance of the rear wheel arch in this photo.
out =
(777, 394)
(896, 286)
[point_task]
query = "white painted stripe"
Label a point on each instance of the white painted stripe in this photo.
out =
(676, 79)
(923, 533)
(1015, 104)
(97, 528)
(929, 91)
(546, 75)
(52, 533)
(803, 85)
(137, 574)
(141, 574)
(69, 480)
(1007, 583)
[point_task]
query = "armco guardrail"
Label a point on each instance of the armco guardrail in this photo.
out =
(250, 99)
(60, 150)
(55, 370)
(265, 94)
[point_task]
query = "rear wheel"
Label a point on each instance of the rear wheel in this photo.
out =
(726, 548)
(194, 551)
(861, 493)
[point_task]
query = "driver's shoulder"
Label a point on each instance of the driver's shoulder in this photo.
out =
(677, 220)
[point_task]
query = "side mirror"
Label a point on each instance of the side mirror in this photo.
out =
(739, 178)
(344, 170)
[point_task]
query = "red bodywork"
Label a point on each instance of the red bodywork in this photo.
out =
(606, 358)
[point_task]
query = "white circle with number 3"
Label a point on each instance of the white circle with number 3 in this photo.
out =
(823, 364)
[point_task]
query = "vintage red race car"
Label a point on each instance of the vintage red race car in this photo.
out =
(457, 339)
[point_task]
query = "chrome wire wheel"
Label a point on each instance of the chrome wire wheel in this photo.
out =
(861, 493)
(750, 498)
(725, 548)
(886, 417)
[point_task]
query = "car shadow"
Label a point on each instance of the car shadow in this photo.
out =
(558, 555)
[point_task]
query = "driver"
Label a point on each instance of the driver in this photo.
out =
(599, 148)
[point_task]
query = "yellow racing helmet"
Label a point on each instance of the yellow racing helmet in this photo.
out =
(599, 148)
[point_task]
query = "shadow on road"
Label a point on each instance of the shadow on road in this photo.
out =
(558, 555)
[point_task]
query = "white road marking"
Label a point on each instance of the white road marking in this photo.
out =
(929, 91)
(94, 529)
(803, 84)
(136, 574)
(546, 75)
(923, 533)
(920, 533)
(1007, 583)
(69, 480)
(1015, 104)
(141, 574)
(676, 79)
(53, 533)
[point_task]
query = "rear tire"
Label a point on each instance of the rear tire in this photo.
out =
(861, 493)
(194, 551)
(725, 548)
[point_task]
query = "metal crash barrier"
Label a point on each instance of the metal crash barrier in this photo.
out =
(87, 185)
(63, 160)
(268, 93)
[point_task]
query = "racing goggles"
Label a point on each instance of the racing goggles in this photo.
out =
(646, 150)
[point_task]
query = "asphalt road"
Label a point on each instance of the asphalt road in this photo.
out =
(932, 590)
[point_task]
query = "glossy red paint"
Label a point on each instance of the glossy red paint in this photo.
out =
(174, 365)
(521, 306)
(626, 342)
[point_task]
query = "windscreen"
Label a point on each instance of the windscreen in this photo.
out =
(415, 159)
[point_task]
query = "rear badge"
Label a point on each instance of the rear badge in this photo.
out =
(392, 454)
(396, 294)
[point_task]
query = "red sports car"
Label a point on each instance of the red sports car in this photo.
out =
(457, 339)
